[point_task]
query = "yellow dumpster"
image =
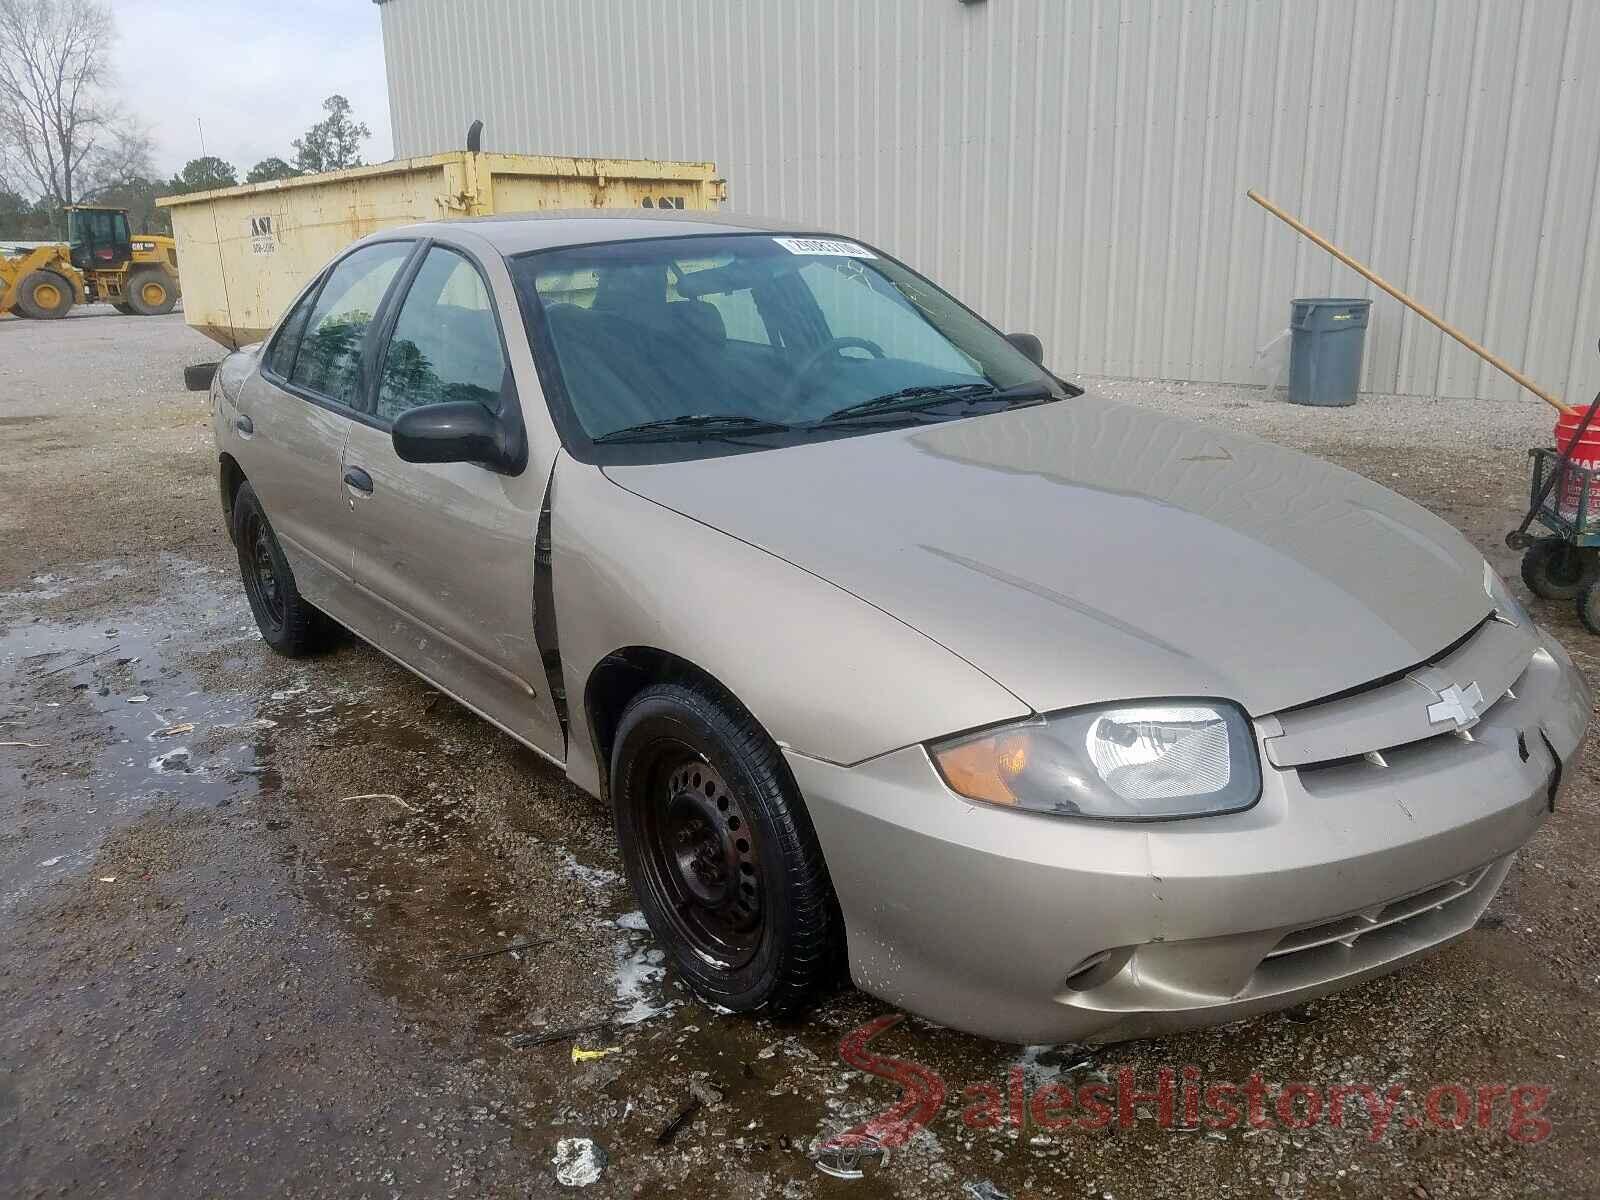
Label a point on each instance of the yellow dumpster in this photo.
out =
(246, 251)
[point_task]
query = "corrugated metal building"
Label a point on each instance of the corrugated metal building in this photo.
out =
(1078, 168)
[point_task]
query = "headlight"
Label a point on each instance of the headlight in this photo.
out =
(1506, 605)
(1148, 761)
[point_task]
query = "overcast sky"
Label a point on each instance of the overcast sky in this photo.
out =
(255, 73)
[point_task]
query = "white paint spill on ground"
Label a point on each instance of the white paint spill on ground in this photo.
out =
(578, 1162)
(639, 973)
(634, 921)
(597, 878)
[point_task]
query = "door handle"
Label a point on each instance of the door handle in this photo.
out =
(355, 477)
(244, 425)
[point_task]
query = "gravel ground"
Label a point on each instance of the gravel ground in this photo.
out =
(234, 893)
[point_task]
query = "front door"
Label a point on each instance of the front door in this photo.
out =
(445, 552)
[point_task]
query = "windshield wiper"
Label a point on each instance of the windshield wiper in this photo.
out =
(691, 426)
(913, 399)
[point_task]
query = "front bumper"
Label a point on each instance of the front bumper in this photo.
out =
(1037, 929)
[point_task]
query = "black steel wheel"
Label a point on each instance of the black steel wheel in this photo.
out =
(287, 622)
(1555, 570)
(721, 852)
(702, 860)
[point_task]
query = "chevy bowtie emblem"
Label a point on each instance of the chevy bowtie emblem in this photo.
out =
(1458, 705)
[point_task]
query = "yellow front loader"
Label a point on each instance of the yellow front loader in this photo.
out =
(100, 263)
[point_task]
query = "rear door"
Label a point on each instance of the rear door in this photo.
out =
(444, 553)
(295, 414)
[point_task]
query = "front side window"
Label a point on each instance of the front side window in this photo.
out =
(93, 235)
(756, 340)
(446, 344)
(329, 360)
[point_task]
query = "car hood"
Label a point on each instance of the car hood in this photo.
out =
(1087, 550)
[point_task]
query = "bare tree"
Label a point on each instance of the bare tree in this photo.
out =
(55, 67)
(121, 158)
(8, 165)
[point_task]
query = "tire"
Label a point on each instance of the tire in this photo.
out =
(125, 309)
(44, 295)
(1589, 606)
(152, 292)
(1555, 570)
(721, 852)
(289, 624)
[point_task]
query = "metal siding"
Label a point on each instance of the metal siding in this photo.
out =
(1079, 168)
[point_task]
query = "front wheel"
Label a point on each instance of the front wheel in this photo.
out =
(1554, 569)
(721, 852)
(44, 295)
(287, 622)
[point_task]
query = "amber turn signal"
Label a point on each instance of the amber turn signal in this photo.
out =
(983, 768)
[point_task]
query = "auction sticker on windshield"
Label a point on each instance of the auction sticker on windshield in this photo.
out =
(797, 245)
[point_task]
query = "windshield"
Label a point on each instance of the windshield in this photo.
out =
(756, 340)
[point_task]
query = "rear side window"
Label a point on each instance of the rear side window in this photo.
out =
(330, 351)
(280, 358)
(446, 344)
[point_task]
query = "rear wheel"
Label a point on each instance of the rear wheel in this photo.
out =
(287, 622)
(44, 295)
(1589, 607)
(721, 852)
(151, 292)
(1554, 569)
(125, 309)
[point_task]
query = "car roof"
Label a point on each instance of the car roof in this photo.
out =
(518, 233)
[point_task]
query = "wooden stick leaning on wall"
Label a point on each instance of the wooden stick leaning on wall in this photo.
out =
(1428, 315)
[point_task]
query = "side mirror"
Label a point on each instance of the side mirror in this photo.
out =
(198, 377)
(464, 431)
(1029, 345)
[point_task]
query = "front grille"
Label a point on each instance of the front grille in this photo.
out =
(1347, 931)
(1391, 716)
(1380, 934)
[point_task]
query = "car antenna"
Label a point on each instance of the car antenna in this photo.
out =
(216, 234)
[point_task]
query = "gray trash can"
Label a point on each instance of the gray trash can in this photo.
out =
(1325, 350)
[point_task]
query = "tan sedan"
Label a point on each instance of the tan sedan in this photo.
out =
(1054, 718)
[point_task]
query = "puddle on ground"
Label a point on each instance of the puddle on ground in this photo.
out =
(109, 724)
